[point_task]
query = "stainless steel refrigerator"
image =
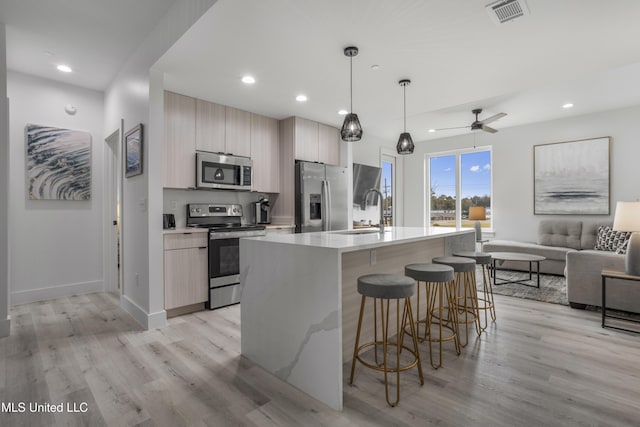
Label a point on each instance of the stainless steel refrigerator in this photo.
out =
(321, 197)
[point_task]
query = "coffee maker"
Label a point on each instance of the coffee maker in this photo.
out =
(261, 212)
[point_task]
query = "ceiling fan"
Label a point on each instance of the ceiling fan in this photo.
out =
(480, 124)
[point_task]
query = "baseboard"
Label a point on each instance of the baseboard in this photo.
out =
(146, 320)
(5, 327)
(42, 294)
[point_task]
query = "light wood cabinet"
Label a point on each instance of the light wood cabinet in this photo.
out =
(185, 269)
(238, 132)
(210, 127)
(328, 145)
(283, 229)
(179, 141)
(306, 139)
(265, 153)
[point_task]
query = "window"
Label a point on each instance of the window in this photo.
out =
(458, 180)
(386, 188)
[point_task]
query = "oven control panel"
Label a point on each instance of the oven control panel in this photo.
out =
(209, 210)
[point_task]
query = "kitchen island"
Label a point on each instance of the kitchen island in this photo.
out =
(299, 303)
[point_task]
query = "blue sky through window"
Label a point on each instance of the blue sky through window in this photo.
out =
(475, 174)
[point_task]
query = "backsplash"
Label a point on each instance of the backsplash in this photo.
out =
(175, 201)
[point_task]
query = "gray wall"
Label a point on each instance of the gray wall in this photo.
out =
(513, 167)
(4, 189)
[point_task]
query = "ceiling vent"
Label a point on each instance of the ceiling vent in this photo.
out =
(507, 10)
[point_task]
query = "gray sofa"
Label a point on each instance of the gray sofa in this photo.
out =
(568, 247)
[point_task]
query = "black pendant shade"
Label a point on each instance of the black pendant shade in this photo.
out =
(351, 128)
(405, 142)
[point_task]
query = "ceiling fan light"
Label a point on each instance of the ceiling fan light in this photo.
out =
(351, 128)
(405, 144)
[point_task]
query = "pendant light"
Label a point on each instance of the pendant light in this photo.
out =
(405, 142)
(351, 129)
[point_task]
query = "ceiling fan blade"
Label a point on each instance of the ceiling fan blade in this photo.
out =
(459, 127)
(493, 118)
(488, 129)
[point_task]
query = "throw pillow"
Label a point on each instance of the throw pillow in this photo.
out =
(609, 240)
(622, 250)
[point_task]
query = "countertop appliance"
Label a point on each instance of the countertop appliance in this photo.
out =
(261, 211)
(221, 171)
(225, 230)
(321, 197)
(168, 221)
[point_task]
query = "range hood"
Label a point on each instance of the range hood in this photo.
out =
(364, 178)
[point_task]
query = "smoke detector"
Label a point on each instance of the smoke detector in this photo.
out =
(503, 11)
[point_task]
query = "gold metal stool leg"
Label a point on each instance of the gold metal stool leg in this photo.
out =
(442, 292)
(407, 320)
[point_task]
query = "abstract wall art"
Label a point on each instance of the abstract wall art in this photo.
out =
(58, 163)
(133, 151)
(572, 177)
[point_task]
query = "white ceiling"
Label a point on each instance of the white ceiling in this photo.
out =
(580, 51)
(93, 37)
(455, 55)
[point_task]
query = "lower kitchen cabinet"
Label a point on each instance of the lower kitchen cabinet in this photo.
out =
(185, 269)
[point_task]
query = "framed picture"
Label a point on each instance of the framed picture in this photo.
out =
(58, 163)
(572, 177)
(133, 151)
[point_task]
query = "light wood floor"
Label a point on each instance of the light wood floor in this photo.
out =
(539, 365)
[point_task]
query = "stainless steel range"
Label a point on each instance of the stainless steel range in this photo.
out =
(225, 230)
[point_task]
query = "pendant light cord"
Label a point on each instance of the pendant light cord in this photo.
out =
(404, 88)
(351, 84)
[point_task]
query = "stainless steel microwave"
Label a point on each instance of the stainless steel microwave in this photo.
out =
(221, 171)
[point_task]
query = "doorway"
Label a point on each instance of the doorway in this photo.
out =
(112, 213)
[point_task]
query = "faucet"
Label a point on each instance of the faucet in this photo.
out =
(363, 206)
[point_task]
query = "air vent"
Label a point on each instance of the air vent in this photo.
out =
(507, 10)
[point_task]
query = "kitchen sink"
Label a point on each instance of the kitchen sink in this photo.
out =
(367, 231)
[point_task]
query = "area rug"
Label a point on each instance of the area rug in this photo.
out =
(552, 289)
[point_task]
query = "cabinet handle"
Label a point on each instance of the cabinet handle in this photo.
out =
(187, 233)
(202, 247)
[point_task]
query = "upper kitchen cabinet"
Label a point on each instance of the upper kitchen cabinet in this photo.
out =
(306, 139)
(265, 153)
(238, 132)
(210, 127)
(315, 142)
(179, 141)
(328, 145)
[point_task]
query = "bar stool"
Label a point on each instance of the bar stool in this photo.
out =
(439, 286)
(483, 259)
(467, 295)
(388, 287)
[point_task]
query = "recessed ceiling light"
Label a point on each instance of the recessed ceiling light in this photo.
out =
(567, 105)
(431, 130)
(343, 112)
(301, 98)
(64, 68)
(375, 67)
(248, 80)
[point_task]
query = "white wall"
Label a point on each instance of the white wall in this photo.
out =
(136, 96)
(56, 246)
(513, 167)
(4, 189)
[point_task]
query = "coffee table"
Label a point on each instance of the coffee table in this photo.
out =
(518, 257)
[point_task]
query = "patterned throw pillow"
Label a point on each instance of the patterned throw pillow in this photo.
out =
(609, 240)
(622, 250)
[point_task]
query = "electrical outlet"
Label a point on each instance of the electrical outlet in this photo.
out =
(174, 205)
(142, 204)
(372, 257)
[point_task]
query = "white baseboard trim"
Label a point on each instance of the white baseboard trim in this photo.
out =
(5, 327)
(146, 320)
(42, 294)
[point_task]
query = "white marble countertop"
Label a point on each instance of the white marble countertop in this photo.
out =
(355, 242)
